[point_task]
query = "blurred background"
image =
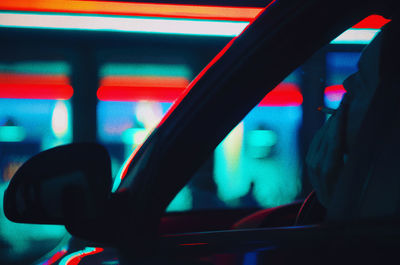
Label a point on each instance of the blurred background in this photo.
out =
(73, 71)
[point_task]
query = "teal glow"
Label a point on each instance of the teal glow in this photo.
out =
(26, 238)
(262, 138)
(181, 202)
(12, 134)
(275, 176)
(122, 24)
(34, 115)
(331, 104)
(161, 70)
(118, 179)
(36, 67)
(229, 167)
(356, 36)
(117, 182)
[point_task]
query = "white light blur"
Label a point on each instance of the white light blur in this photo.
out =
(59, 120)
(356, 36)
(126, 24)
(149, 113)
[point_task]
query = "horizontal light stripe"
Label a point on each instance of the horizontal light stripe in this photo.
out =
(144, 81)
(168, 89)
(134, 9)
(136, 88)
(33, 86)
(145, 69)
(152, 25)
(124, 24)
(135, 93)
(154, 10)
(36, 91)
(356, 36)
(36, 67)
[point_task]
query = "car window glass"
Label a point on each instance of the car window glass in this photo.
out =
(261, 161)
(264, 143)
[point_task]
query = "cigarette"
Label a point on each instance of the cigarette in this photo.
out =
(326, 110)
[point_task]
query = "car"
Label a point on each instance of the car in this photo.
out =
(123, 221)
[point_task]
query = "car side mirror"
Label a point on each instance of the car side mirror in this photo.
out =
(70, 182)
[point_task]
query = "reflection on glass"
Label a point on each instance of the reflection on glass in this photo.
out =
(256, 165)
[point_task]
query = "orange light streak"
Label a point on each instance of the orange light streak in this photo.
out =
(134, 9)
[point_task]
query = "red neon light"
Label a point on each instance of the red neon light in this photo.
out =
(124, 88)
(36, 91)
(285, 94)
(372, 22)
(28, 86)
(134, 9)
(335, 93)
(133, 93)
(75, 260)
(55, 257)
